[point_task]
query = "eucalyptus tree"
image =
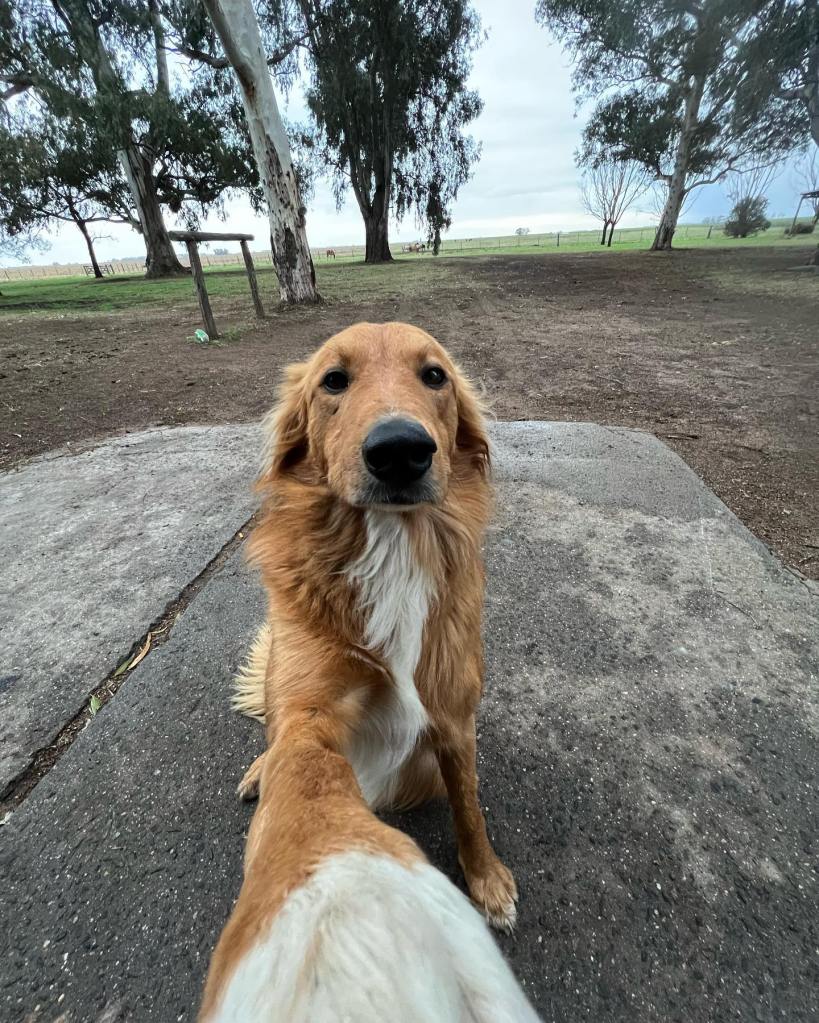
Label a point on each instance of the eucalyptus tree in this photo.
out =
(675, 90)
(388, 89)
(106, 62)
(237, 28)
(54, 170)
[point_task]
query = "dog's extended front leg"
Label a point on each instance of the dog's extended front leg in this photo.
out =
(248, 789)
(491, 884)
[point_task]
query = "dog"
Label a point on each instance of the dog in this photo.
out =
(377, 496)
(340, 917)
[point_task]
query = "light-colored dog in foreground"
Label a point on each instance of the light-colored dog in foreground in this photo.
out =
(340, 917)
(377, 496)
(368, 673)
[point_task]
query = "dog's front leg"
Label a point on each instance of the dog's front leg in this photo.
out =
(491, 884)
(248, 789)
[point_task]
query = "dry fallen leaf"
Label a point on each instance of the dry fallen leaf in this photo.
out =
(141, 653)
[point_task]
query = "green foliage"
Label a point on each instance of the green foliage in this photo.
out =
(56, 169)
(103, 64)
(678, 87)
(747, 217)
(783, 55)
(389, 94)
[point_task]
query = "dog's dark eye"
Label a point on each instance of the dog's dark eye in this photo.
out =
(433, 376)
(335, 381)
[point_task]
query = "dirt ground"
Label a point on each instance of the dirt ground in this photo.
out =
(715, 352)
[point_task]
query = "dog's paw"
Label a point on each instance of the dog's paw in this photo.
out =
(248, 788)
(495, 893)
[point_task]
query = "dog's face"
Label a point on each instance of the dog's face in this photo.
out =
(381, 415)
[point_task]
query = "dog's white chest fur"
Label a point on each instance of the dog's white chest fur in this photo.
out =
(394, 593)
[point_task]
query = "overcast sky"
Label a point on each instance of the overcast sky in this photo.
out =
(526, 175)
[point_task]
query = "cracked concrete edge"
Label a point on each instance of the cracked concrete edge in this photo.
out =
(157, 634)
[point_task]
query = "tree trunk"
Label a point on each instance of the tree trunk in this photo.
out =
(161, 259)
(377, 247)
(611, 234)
(679, 176)
(163, 77)
(376, 226)
(89, 244)
(605, 229)
(237, 27)
(810, 89)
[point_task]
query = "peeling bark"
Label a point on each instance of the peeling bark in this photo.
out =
(235, 23)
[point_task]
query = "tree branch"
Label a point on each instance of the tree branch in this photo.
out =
(13, 90)
(220, 63)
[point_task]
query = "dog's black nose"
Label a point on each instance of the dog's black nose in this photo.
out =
(398, 451)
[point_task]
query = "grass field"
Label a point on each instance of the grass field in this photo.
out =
(76, 294)
(347, 277)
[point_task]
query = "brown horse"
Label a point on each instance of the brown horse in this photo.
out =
(331, 253)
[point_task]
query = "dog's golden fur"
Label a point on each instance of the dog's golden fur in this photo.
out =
(312, 665)
(340, 916)
(309, 812)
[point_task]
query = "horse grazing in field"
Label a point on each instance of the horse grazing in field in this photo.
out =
(331, 254)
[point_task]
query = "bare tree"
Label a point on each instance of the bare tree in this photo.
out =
(752, 180)
(746, 188)
(609, 188)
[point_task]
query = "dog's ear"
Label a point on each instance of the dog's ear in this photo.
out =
(287, 442)
(471, 439)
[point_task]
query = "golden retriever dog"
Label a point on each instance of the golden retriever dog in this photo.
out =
(377, 496)
(340, 917)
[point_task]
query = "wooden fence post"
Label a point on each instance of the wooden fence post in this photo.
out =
(201, 290)
(251, 276)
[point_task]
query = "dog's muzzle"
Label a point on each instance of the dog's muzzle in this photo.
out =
(398, 454)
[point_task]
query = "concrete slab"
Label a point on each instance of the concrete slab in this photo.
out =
(95, 545)
(648, 764)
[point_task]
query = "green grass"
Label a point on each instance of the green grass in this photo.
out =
(346, 278)
(350, 280)
(625, 240)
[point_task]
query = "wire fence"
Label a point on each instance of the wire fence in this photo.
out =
(628, 236)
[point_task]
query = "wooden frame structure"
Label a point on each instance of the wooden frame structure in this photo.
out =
(191, 240)
(805, 195)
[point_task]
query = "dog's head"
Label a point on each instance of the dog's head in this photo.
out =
(381, 416)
